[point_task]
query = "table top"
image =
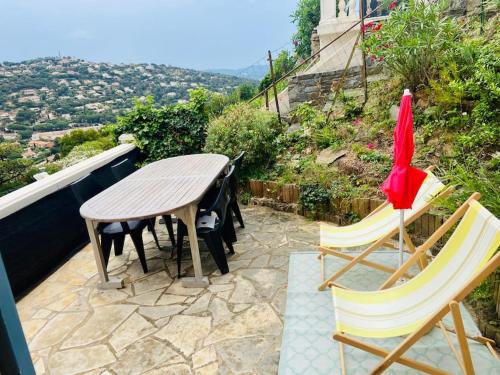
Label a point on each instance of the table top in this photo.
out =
(157, 189)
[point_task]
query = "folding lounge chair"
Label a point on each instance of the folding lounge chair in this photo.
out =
(377, 230)
(415, 307)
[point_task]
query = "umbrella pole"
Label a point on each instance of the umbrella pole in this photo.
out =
(401, 235)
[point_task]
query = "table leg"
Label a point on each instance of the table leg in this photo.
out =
(188, 216)
(106, 281)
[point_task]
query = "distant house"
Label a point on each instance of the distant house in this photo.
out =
(28, 154)
(41, 144)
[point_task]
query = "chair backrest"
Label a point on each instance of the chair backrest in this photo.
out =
(400, 310)
(223, 197)
(233, 182)
(375, 226)
(238, 161)
(122, 169)
(85, 188)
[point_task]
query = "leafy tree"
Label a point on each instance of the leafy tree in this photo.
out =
(75, 138)
(25, 115)
(246, 91)
(306, 17)
(282, 65)
(13, 167)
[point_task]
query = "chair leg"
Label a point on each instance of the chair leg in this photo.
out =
(214, 243)
(228, 228)
(462, 340)
(170, 228)
(151, 228)
(106, 242)
(118, 243)
(181, 232)
(227, 235)
(139, 246)
(237, 212)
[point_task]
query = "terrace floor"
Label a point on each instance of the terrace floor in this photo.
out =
(154, 325)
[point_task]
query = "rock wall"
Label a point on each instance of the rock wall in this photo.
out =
(316, 87)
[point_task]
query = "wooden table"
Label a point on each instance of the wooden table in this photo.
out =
(169, 186)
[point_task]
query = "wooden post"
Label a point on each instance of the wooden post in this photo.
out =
(274, 85)
(363, 69)
(266, 94)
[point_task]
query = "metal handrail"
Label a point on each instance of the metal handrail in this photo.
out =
(289, 73)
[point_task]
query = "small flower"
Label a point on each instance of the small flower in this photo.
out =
(393, 5)
(377, 27)
(296, 43)
(381, 58)
(370, 146)
(357, 121)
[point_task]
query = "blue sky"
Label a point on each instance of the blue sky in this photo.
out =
(198, 34)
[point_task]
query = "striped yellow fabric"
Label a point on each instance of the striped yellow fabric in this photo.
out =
(380, 223)
(401, 310)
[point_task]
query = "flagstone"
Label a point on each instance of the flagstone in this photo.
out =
(32, 326)
(211, 369)
(42, 314)
(178, 289)
(100, 297)
(260, 319)
(239, 307)
(75, 361)
(156, 281)
(159, 312)
(184, 331)
(220, 287)
(260, 261)
(62, 302)
(222, 279)
(57, 329)
(204, 356)
(103, 322)
(142, 356)
(224, 295)
(146, 299)
(266, 281)
(220, 312)
(199, 305)
(170, 299)
(177, 369)
(133, 329)
(244, 292)
(242, 356)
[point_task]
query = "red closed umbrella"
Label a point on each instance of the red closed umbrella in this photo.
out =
(402, 185)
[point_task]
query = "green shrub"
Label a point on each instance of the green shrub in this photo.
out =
(306, 17)
(314, 197)
(282, 65)
(169, 130)
(414, 41)
(244, 128)
(473, 179)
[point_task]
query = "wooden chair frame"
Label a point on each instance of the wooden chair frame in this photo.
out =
(381, 242)
(464, 357)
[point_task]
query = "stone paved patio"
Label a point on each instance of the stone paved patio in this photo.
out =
(154, 325)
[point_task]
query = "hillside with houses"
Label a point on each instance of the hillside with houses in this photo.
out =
(56, 94)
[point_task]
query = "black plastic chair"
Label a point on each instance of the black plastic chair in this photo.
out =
(233, 184)
(122, 170)
(212, 236)
(87, 187)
